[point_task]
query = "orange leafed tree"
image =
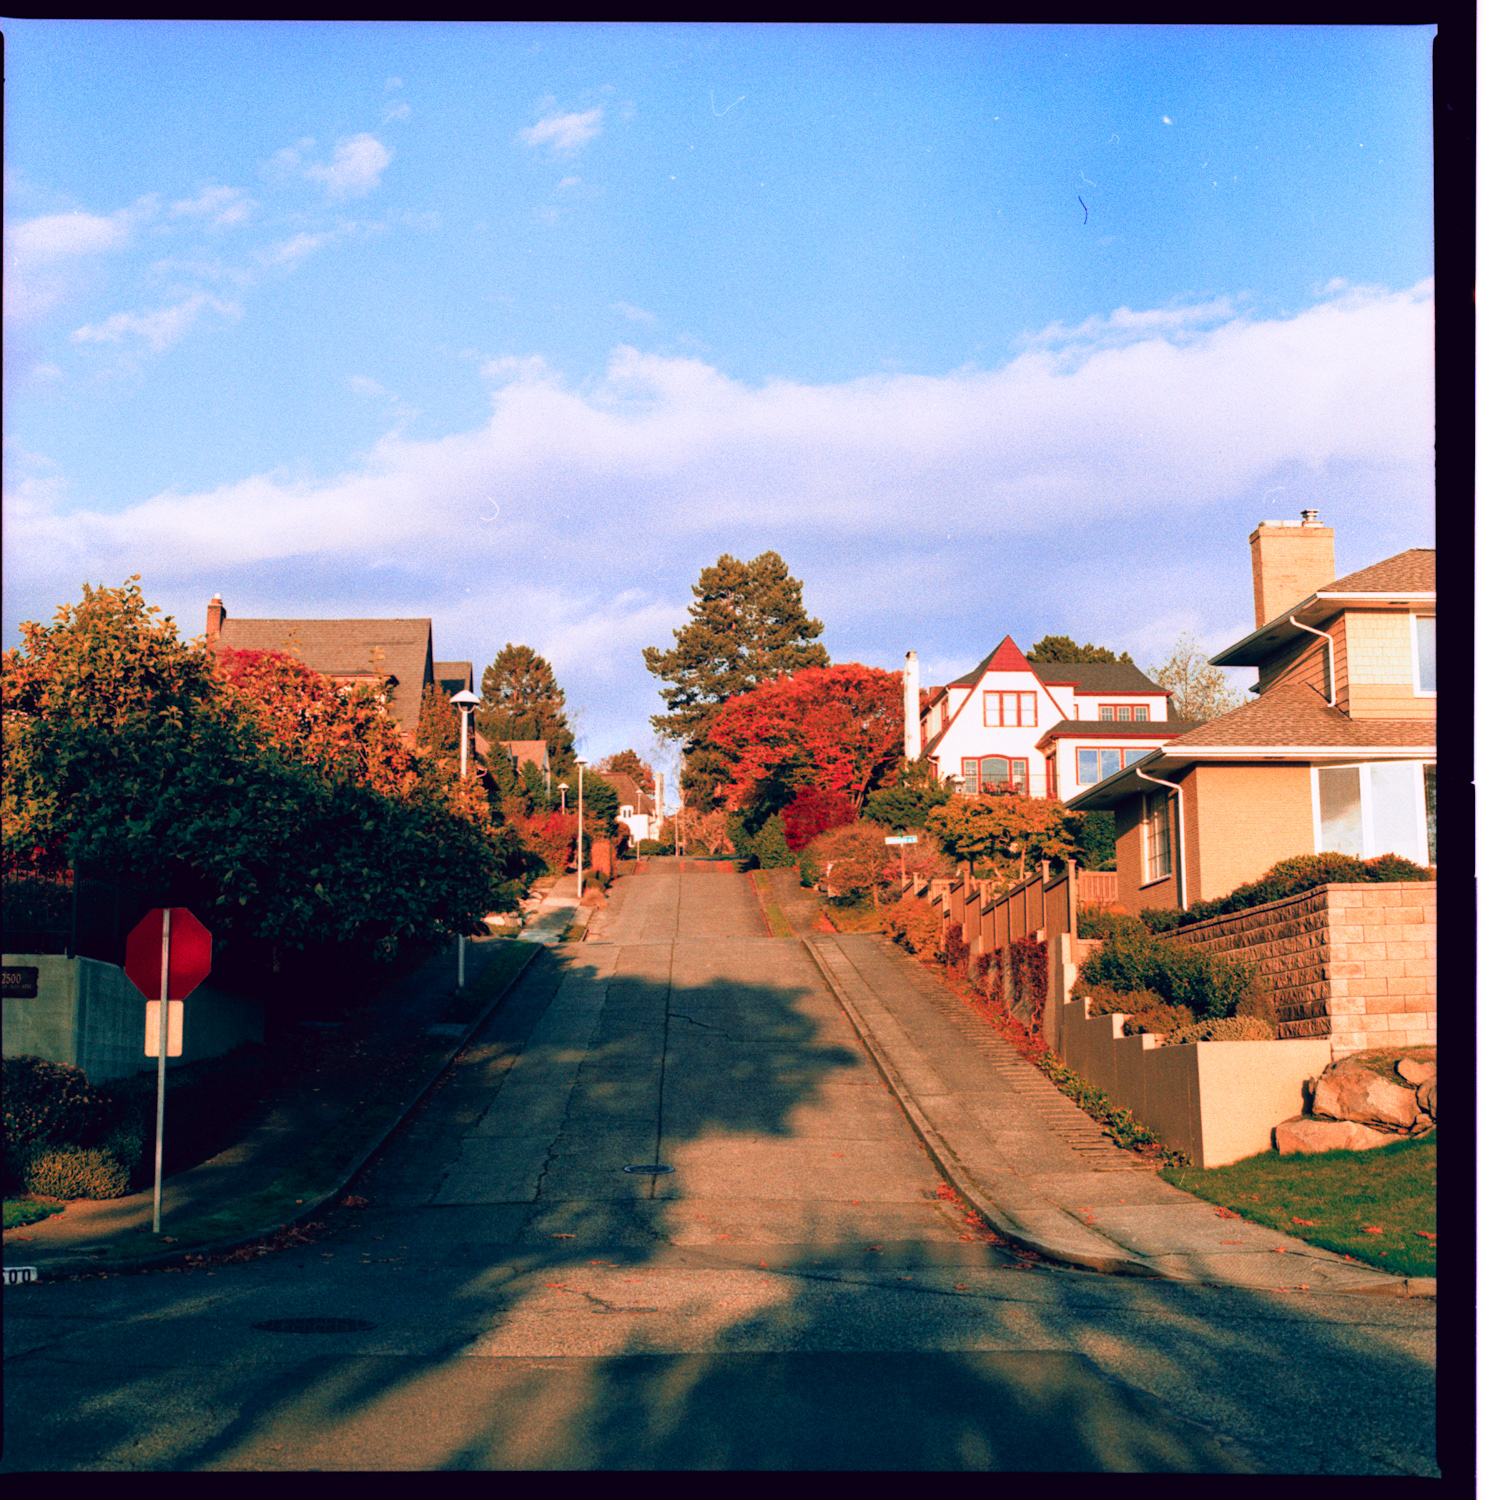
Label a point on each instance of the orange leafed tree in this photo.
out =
(840, 729)
(338, 732)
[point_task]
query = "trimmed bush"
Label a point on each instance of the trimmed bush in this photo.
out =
(1099, 921)
(1291, 877)
(771, 848)
(1145, 1010)
(72, 1172)
(1211, 986)
(916, 926)
(45, 1103)
(653, 846)
(1227, 1029)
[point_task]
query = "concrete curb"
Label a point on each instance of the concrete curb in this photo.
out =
(79, 1264)
(1119, 1263)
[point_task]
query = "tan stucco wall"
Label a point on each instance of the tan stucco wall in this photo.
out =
(1248, 817)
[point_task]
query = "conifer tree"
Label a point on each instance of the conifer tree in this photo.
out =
(747, 625)
(521, 700)
(1063, 648)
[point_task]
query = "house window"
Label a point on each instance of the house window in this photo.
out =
(1156, 856)
(1386, 808)
(1098, 764)
(1424, 656)
(1124, 713)
(1009, 711)
(995, 773)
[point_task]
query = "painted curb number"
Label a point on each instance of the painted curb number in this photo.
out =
(16, 1275)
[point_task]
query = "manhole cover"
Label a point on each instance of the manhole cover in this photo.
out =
(650, 1169)
(314, 1325)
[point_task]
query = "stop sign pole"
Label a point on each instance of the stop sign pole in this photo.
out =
(193, 964)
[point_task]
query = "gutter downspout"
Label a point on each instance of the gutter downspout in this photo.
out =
(1179, 792)
(1329, 646)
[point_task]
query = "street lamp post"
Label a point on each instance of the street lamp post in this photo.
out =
(466, 702)
(563, 797)
(580, 888)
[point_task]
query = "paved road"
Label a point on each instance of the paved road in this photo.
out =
(795, 1293)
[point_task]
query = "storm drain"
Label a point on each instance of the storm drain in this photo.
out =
(648, 1169)
(314, 1325)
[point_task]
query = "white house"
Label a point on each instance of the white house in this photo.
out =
(1044, 729)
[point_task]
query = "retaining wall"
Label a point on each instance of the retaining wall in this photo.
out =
(1354, 963)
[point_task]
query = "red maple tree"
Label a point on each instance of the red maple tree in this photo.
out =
(840, 729)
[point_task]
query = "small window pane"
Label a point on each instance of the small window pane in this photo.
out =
(995, 772)
(970, 778)
(1430, 797)
(1340, 809)
(1427, 655)
(1125, 714)
(1394, 810)
(1106, 711)
(1112, 762)
(1141, 713)
(1027, 710)
(1086, 767)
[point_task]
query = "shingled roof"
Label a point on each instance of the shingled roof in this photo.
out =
(1088, 676)
(398, 650)
(1410, 572)
(1292, 714)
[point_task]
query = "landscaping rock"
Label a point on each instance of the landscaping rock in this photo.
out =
(1304, 1135)
(1348, 1090)
(1417, 1073)
(1428, 1097)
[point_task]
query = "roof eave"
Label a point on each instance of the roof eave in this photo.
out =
(1267, 640)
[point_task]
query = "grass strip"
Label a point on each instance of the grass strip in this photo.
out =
(499, 969)
(1379, 1207)
(22, 1211)
(775, 917)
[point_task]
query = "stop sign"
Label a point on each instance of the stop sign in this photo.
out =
(191, 954)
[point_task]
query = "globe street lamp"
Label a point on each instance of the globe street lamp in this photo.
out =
(580, 890)
(563, 797)
(466, 702)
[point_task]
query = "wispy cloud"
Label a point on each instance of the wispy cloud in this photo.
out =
(158, 329)
(220, 207)
(355, 169)
(61, 236)
(563, 133)
(293, 250)
(634, 314)
(398, 111)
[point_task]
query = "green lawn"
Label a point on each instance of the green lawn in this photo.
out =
(22, 1211)
(1379, 1207)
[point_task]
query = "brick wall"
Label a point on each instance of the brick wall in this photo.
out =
(1354, 963)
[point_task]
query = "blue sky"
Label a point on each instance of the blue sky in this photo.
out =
(984, 330)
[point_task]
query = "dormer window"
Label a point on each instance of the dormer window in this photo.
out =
(1124, 713)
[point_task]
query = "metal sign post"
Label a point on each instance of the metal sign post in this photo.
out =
(162, 1049)
(903, 839)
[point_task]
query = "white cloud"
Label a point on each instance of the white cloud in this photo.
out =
(563, 133)
(568, 182)
(635, 314)
(397, 112)
(159, 329)
(1105, 494)
(221, 207)
(296, 248)
(355, 169)
(60, 236)
(366, 387)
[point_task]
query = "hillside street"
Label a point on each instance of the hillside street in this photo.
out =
(800, 1290)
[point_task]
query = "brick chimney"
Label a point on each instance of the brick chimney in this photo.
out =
(1290, 561)
(216, 614)
(912, 707)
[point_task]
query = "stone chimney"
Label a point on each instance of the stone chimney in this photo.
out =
(912, 707)
(216, 614)
(1290, 561)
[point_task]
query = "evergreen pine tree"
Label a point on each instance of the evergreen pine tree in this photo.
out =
(521, 700)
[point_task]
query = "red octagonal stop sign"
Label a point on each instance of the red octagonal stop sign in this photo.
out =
(191, 954)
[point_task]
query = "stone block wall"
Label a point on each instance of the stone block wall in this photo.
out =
(1354, 963)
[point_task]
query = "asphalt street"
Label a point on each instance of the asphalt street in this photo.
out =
(663, 1213)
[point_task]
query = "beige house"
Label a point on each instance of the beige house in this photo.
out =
(1337, 753)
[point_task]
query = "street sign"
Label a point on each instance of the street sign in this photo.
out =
(904, 838)
(166, 956)
(174, 1027)
(191, 953)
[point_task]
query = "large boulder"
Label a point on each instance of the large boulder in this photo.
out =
(1302, 1134)
(1428, 1098)
(1349, 1090)
(1417, 1073)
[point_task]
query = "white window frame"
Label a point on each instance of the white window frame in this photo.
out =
(1153, 801)
(1418, 690)
(1368, 822)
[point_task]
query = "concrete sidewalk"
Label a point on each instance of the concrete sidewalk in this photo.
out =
(1039, 1169)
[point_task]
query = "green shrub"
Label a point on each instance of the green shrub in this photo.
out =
(809, 869)
(1227, 1029)
(1211, 986)
(648, 847)
(1291, 877)
(916, 925)
(75, 1172)
(44, 1103)
(1098, 921)
(771, 849)
(1145, 1010)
